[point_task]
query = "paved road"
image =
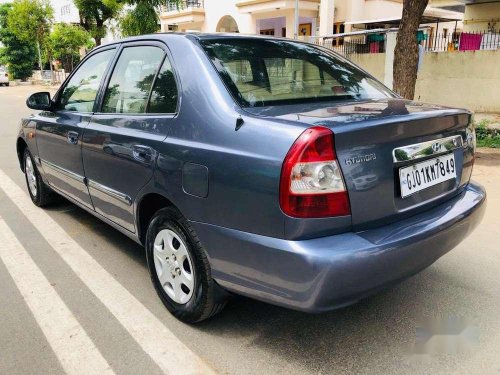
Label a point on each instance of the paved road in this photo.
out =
(76, 295)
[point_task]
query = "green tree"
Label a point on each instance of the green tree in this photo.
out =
(143, 18)
(31, 19)
(17, 55)
(95, 13)
(406, 52)
(65, 43)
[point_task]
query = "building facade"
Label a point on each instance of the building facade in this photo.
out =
(479, 15)
(482, 17)
(276, 17)
(65, 11)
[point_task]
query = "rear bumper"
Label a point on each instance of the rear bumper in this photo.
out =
(330, 272)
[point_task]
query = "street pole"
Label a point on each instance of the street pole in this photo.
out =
(296, 25)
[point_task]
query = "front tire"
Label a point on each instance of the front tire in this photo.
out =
(41, 195)
(179, 268)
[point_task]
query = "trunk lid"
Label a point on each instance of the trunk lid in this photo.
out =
(367, 135)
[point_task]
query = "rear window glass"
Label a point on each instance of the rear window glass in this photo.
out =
(164, 94)
(262, 72)
(129, 86)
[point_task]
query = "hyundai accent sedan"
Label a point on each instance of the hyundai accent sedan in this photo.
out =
(264, 167)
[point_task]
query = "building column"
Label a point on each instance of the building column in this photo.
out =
(290, 23)
(247, 24)
(326, 17)
(390, 46)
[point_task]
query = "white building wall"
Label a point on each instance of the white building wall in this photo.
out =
(377, 9)
(65, 11)
(341, 10)
(215, 10)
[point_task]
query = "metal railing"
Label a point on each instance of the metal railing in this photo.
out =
(462, 41)
(355, 46)
(370, 41)
(170, 7)
(374, 41)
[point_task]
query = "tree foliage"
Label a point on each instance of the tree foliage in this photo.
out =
(30, 18)
(94, 14)
(406, 52)
(18, 55)
(143, 19)
(65, 43)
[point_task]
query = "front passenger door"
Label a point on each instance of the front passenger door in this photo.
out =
(59, 133)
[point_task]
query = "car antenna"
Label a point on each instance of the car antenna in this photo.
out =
(239, 123)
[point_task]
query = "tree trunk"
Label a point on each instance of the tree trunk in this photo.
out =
(100, 30)
(52, 78)
(406, 52)
(40, 64)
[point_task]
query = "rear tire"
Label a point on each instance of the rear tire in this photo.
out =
(176, 256)
(41, 195)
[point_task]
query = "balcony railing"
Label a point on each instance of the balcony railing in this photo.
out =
(354, 43)
(375, 41)
(171, 7)
(462, 41)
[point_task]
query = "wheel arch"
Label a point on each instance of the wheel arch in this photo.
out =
(147, 206)
(21, 146)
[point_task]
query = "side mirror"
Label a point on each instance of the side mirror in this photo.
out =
(40, 101)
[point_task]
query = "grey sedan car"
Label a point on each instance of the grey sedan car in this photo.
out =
(264, 167)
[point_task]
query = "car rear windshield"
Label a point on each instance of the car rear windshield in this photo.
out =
(264, 72)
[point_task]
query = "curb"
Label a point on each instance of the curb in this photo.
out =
(488, 154)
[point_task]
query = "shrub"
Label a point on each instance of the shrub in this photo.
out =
(487, 136)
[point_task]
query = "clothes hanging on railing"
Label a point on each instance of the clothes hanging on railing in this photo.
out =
(374, 47)
(470, 42)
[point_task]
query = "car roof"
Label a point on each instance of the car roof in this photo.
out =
(195, 36)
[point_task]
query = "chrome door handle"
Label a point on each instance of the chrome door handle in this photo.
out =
(73, 137)
(142, 153)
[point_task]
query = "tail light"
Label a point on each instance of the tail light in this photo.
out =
(311, 180)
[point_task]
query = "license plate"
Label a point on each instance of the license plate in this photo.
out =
(428, 173)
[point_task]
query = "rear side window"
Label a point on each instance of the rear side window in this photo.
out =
(164, 94)
(80, 92)
(130, 84)
(262, 72)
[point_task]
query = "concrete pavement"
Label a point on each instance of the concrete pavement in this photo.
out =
(95, 283)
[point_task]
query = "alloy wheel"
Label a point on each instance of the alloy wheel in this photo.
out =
(31, 177)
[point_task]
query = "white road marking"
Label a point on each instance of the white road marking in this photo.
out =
(171, 355)
(71, 345)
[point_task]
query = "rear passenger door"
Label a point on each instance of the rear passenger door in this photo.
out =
(138, 104)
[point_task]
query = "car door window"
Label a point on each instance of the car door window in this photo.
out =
(80, 92)
(130, 84)
(164, 94)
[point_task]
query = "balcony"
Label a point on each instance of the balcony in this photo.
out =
(261, 6)
(188, 11)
